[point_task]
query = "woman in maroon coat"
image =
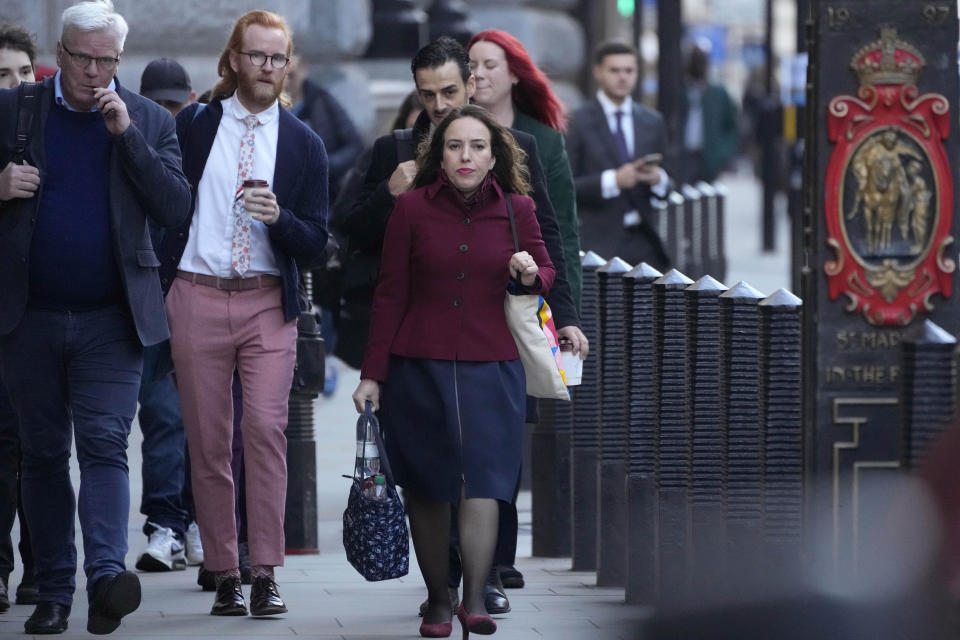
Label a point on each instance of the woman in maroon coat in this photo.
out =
(441, 355)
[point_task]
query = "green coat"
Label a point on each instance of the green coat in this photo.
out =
(556, 168)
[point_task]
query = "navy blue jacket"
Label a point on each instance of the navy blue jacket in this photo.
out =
(146, 183)
(300, 184)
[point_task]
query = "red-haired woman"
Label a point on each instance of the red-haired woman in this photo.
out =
(518, 94)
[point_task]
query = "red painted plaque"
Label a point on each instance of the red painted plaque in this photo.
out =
(889, 190)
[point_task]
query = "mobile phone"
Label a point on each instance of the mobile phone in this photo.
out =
(651, 158)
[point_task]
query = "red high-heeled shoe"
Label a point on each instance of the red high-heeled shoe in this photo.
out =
(436, 629)
(479, 624)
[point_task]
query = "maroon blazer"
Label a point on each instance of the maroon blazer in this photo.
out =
(444, 274)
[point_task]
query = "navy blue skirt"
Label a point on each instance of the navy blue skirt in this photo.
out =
(448, 424)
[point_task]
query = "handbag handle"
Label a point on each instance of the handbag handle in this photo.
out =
(384, 460)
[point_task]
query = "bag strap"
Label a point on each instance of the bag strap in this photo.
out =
(384, 460)
(513, 224)
(29, 93)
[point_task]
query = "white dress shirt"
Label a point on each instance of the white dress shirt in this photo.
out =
(208, 249)
(608, 179)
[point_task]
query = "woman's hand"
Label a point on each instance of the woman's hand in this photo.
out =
(367, 391)
(523, 268)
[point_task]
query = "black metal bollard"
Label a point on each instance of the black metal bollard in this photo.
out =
(720, 272)
(642, 515)
(781, 374)
(740, 395)
(585, 437)
(550, 471)
(693, 231)
(670, 225)
(927, 394)
(710, 229)
(709, 446)
(550, 495)
(673, 433)
(672, 235)
(612, 495)
(301, 520)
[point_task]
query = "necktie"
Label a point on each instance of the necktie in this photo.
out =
(620, 138)
(240, 250)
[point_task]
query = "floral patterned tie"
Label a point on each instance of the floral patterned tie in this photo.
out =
(240, 250)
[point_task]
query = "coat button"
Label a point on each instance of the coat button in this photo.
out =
(463, 248)
(457, 302)
(466, 221)
(461, 275)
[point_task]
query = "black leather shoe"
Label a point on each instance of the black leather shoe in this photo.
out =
(494, 599)
(510, 577)
(113, 598)
(48, 618)
(27, 592)
(265, 599)
(206, 579)
(454, 601)
(229, 600)
(4, 596)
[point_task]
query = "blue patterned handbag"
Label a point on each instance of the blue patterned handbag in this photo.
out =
(375, 531)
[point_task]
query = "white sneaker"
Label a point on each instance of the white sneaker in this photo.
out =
(194, 546)
(163, 553)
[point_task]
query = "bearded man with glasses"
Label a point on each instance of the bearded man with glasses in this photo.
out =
(81, 298)
(233, 272)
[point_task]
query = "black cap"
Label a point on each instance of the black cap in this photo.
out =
(165, 79)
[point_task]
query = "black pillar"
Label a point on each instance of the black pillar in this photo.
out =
(399, 29)
(585, 437)
(673, 432)
(301, 519)
(451, 18)
(642, 510)
(707, 435)
(612, 497)
(928, 392)
(670, 69)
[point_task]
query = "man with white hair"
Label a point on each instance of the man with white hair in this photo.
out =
(81, 298)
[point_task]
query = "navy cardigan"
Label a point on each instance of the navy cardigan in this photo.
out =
(300, 184)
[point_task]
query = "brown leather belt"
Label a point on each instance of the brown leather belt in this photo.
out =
(231, 284)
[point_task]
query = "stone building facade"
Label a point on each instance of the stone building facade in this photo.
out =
(331, 35)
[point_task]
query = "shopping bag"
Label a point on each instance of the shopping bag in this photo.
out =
(375, 534)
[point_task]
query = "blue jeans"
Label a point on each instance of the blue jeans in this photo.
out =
(161, 422)
(81, 368)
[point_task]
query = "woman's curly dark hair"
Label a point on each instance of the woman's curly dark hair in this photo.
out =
(510, 168)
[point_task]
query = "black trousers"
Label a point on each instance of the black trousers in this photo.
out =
(10, 503)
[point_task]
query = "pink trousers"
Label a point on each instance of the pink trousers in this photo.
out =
(214, 332)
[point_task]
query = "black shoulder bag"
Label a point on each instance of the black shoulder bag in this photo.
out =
(29, 103)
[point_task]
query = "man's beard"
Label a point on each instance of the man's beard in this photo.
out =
(258, 92)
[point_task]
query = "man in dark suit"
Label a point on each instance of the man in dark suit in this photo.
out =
(615, 147)
(233, 274)
(81, 298)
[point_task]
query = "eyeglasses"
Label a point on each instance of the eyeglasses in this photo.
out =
(82, 60)
(259, 58)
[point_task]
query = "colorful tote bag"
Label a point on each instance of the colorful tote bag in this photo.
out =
(531, 323)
